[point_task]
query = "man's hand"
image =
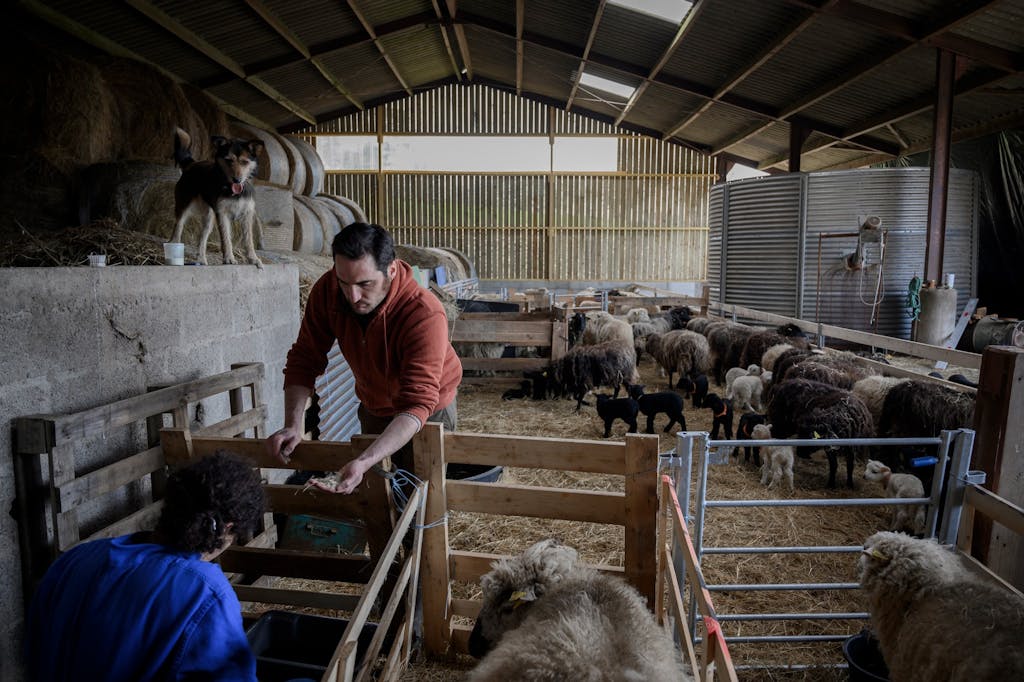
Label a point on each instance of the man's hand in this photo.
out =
(282, 443)
(348, 479)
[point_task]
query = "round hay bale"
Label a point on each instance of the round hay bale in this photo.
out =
(273, 160)
(328, 222)
(36, 194)
(296, 166)
(58, 109)
(429, 258)
(139, 195)
(149, 106)
(467, 269)
(276, 211)
(356, 209)
(342, 218)
(309, 233)
(206, 110)
(314, 165)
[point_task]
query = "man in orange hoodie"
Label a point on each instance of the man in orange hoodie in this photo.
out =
(394, 336)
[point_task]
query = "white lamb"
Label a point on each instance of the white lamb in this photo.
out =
(778, 459)
(737, 372)
(899, 485)
(746, 392)
(934, 619)
(637, 315)
(546, 616)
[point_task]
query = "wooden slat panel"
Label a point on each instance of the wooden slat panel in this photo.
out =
(641, 513)
(429, 451)
(308, 455)
(108, 478)
(292, 499)
(535, 316)
(597, 457)
(466, 608)
(296, 564)
(305, 598)
(144, 519)
(236, 424)
(995, 508)
(460, 638)
(589, 506)
(504, 364)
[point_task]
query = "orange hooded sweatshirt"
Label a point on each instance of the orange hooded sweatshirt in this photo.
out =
(403, 362)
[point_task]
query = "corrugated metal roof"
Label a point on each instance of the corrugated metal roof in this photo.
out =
(743, 70)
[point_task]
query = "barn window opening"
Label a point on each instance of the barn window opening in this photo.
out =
(348, 152)
(669, 10)
(620, 90)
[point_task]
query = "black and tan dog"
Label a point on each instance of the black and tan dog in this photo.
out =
(221, 189)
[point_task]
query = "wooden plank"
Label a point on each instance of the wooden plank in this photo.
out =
(538, 316)
(143, 519)
(518, 337)
(921, 350)
(294, 499)
(308, 455)
(467, 567)
(588, 506)
(679, 612)
(62, 472)
(619, 305)
(893, 371)
(98, 420)
(236, 424)
(303, 598)
(557, 454)
(460, 638)
(999, 440)
(494, 382)
(350, 568)
(429, 452)
(640, 513)
(504, 364)
(466, 608)
(106, 479)
(996, 508)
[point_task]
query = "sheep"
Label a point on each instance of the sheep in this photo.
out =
(643, 330)
(634, 315)
(737, 372)
(652, 404)
(838, 369)
(899, 485)
(921, 409)
(721, 409)
(726, 342)
(679, 350)
(743, 432)
(760, 341)
(699, 324)
(544, 384)
(810, 409)
(872, 390)
(583, 368)
(610, 409)
(679, 316)
(786, 360)
(767, 360)
(547, 616)
(962, 380)
(935, 620)
(602, 327)
(746, 392)
(518, 393)
(778, 459)
(695, 388)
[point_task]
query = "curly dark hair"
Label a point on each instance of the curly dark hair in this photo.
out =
(206, 495)
(361, 239)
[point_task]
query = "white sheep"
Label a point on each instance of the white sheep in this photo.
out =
(546, 616)
(637, 315)
(746, 392)
(602, 327)
(872, 390)
(899, 485)
(934, 619)
(778, 459)
(773, 353)
(735, 373)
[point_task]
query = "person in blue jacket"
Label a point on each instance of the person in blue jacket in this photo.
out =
(151, 605)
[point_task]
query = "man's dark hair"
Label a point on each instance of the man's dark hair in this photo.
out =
(206, 495)
(361, 239)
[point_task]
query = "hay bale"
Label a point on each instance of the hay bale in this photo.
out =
(342, 218)
(273, 160)
(429, 258)
(136, 194)
(309, 233)
(314, 166)
(276, 212)
(296, 166)
(208, 113)
(357, 212)
(36, 194)
(149, 105)
(325, 218)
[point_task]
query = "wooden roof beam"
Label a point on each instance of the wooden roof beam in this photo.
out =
(447, 41)
(169, 24)
(785, 37)
(377, 43)
(598, 13)
(282, 29)
(684, 28)
(460, 38)
(520, 22)
(860, 69)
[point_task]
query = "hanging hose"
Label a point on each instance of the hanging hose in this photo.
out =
(914, 298)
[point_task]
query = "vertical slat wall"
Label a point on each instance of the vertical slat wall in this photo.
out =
(645, 221)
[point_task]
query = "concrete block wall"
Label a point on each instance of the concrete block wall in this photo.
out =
(77, 337)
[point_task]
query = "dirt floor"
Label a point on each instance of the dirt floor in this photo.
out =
(482, 410)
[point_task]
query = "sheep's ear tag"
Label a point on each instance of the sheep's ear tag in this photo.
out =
(518, 598)
(817, 435)
(876, 553)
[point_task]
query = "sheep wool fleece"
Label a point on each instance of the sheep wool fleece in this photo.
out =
(403, 362)
(122, 610)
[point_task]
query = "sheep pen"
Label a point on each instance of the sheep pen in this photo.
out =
(482, 410)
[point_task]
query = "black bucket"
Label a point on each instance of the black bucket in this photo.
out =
(865, 659)
(290, 645)
(477, 473)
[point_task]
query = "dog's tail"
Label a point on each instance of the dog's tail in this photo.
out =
(182, 149)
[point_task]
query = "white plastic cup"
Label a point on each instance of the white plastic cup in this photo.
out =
(97, 260)
(174, 253)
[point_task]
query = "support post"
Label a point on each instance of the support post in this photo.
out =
(642, 513)
(942, 130)
(428, 448)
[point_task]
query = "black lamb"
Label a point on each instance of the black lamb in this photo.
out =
(523, 391)
(652, 404)
(695, 388)
(721, 408)
(748, 420)
(610, 409)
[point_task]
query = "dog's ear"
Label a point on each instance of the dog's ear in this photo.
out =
(255, 147)
(219, 141)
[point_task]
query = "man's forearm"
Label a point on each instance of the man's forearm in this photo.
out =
(295, 398)
(399, 432)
